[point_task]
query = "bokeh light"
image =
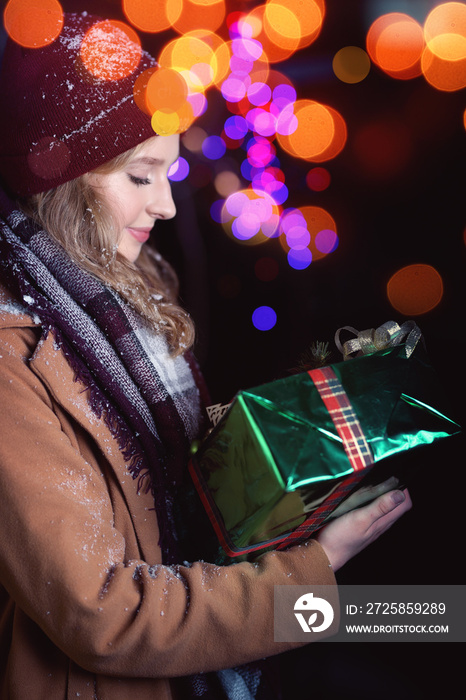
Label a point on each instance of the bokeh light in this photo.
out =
(264, 318)
(32, 24)
(179, 170)
(191, 54)
(395, 42)
(166, 123)
(326, 241)
(166, 89)
(153, 16)
(111, 50)
(290, 25)
(236, 127)
(49, 158)
(255, 216)
(404, 49)
(299, 258)
(213, 147)
(140, 90)
(255, 22)
(318, 179)
(226, 183)
(194, 138)
(415, 289)
(219, 213)
(445, 31)
(163, 94)
(351, 64)
(307, 234)
(192, 16)
(320, 135)
(447, 76)
(281, 25)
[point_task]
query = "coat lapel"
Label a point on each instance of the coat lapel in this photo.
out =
(51, 366)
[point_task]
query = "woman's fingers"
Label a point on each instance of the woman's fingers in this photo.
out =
(344, 537)
(386, 510)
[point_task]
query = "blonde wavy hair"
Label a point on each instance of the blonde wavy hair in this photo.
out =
(82, 224)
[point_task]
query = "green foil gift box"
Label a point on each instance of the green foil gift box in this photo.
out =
(288, 455)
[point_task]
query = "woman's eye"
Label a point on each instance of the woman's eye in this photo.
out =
(139, 180)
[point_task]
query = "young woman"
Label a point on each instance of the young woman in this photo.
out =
(100, 400)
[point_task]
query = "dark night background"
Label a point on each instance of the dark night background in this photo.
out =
(412, 215)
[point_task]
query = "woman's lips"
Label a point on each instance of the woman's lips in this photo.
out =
(140, 234)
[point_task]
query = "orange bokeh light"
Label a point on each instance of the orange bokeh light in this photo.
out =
(285, 26)
(275, 53)
(310, 14)
(282, 26)
(447, 76)
(445, 31)
(395, 43)
(140, 90)
(166, 90)
(152, 15)
(31, 24)
(294, 23)
(444, 58)
(166, 122)
(198, 52)
(210, 16)
(338, 142)
(111, 50)
(415, 289)
(320, 135)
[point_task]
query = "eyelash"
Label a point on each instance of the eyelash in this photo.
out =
(138, 181)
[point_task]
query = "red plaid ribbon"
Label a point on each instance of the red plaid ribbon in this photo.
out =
(343, 416)
(356, 447)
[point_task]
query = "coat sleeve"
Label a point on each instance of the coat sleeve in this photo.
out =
(64, 562)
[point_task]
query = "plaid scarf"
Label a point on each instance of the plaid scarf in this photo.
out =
(103, 341)
(106, 345)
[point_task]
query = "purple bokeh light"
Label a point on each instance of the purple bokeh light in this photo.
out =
(179, 170)
(264, 318)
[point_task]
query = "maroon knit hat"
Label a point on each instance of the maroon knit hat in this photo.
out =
(57, 121)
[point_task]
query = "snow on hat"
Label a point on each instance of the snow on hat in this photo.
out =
(58, 120)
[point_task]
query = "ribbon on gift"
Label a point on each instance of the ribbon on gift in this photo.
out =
(355, 445)
(343, 416)
(372, 340)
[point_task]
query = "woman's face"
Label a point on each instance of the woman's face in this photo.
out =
(140, 193)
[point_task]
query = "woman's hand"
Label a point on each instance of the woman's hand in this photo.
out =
(349, 534)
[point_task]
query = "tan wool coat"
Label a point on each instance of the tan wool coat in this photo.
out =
(86, 608)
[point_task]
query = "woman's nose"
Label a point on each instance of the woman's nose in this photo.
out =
(161, 204)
